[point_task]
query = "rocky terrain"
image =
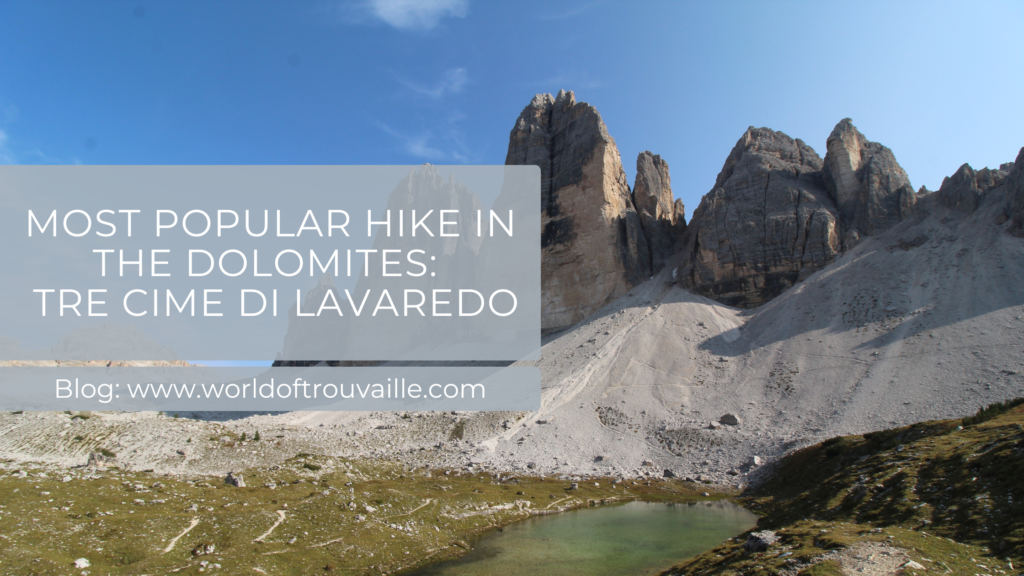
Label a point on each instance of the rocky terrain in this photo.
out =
(594, 243)
(806, 298)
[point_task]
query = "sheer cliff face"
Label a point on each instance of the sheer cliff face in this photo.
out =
(767, 224)
(778, 212)
(593, 245)
(661, 217)
(870, 189)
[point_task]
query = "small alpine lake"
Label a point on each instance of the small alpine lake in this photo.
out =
(637, 538)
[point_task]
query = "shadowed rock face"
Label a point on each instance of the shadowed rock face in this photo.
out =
(1015, 185)
(963, 190)
(778, 212)
(767, 224)
(663, 220)
(593, 246)
(868, 186)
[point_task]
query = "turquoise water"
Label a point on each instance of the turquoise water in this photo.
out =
(637, 538)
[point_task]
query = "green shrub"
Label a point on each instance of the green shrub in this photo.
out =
(991, 411)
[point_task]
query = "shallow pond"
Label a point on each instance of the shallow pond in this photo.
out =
(636, 538)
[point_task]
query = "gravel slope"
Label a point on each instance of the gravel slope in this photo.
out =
(922, 322)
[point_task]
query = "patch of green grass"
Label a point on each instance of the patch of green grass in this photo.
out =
(826, 568)
(944, 494)
(123, 520)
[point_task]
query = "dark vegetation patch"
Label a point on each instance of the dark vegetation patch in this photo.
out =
(947, 491)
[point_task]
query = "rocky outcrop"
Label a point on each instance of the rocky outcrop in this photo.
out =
(767, 223)
(1015, 190)
(868, 186)
(964, 189)
(760, 541)
(592, 244)
(662, 219)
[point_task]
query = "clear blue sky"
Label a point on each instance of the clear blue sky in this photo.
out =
(442, 81)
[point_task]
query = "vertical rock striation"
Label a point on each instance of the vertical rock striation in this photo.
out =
(868, 186)
(778, 212)
(767, 223)
(593, 246)
(663, 220)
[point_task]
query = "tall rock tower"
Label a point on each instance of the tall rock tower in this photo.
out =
(663, 220)
(593, 246)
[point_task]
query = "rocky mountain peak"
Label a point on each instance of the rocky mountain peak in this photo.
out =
(870, 189)
(767, 223)
(593, 245)
(661, 217)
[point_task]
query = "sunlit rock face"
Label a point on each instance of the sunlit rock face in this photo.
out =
(593, 245)
(870, 189)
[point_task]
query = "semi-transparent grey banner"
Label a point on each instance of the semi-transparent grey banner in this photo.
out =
(433, 263)
(184, 390)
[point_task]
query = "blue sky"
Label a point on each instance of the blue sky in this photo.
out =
(442, 81)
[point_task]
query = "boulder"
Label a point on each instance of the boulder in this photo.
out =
(97, 460)
(235, 480)
(767, 223)
(593, 248)
(661, 217)
(868, 186)
(82, 563)
(760, 541)
(730, 420)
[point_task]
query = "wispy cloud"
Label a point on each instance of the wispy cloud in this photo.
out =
(34, 156)
(415, 144)
(401, 14)
(450, 146)
(6, 156)
(451, 82)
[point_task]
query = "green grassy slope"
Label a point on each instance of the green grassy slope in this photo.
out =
(950, 493)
